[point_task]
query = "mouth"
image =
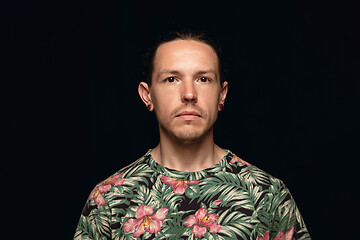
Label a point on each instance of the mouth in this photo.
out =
(188, 115)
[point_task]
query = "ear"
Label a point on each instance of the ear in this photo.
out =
(223, 92)
(145, 95)
(222, 97)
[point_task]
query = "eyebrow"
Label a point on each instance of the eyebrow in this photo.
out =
(175, 72)
(167, 71)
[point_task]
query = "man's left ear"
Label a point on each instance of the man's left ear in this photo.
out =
(223, 93)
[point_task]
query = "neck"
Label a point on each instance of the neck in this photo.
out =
(188, 156)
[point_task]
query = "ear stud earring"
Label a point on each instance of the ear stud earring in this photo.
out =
(221, 106)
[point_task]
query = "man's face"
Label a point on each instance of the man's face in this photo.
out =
(185, 90)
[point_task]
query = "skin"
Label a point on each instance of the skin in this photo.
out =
(185, 94)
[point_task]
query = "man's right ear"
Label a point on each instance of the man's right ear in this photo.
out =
(145, 95)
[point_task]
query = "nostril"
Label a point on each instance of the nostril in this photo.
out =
(189, 97)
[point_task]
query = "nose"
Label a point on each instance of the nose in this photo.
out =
(189, 92)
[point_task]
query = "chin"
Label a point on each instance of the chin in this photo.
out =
(188, 138)
(190, 135)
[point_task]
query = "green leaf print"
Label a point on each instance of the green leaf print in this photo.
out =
(254, 175)
(231, 200)
(163, 195)
(235, 223)
(227, 187)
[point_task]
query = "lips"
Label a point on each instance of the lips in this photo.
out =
(188, 113)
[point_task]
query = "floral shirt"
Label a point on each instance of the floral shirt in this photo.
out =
(230, 200)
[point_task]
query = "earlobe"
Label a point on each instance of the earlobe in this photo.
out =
(144, 93)
(221, 106)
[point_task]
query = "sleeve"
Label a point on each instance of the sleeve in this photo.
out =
(94, 221)
(287, 222)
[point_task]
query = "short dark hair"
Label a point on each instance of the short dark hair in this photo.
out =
(182, 35)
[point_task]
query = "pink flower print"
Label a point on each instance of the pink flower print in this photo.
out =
(264, 237)
(115, 180)
(217, 202)
(203, 221)
(177, 185)
(146, 221)
(105, 186)
(236, 159)
(98, 198)
(288, 235)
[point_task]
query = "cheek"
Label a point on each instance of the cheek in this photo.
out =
(214, 111)
(213, 103)
(164, 104)
(211, 100)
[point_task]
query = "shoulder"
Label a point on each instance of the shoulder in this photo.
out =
(123, 178)
(253, 175)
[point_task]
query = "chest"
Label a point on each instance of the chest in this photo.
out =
(212, 208)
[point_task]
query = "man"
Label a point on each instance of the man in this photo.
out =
(187, 187)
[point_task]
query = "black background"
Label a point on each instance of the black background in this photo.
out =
(72, 115)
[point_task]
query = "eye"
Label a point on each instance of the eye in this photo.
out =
(170, 79)
(204, 79)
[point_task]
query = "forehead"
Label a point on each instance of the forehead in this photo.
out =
(185, 55)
